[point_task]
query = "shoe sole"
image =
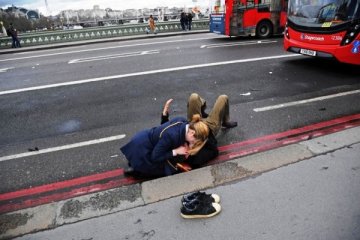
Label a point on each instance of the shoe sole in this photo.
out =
(216, 198)
(218, 210)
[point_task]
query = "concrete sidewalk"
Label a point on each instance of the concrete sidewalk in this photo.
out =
(103, 40)
(114, 201)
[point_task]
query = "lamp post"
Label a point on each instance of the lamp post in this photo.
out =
(62, 21)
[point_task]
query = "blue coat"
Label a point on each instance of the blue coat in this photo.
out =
(148, 151)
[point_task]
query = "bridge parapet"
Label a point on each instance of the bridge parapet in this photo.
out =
(41, 38)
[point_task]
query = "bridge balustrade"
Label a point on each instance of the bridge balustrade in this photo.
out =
(40, 38)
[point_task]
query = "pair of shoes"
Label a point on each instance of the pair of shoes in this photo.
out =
(229, 124)
(200, 205)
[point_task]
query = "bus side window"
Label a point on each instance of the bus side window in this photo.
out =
(264, 6)
(250, 3)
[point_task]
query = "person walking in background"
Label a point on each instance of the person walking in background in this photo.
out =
(152, 26)
(186, 22)
(12, 32)
(183, 20)
(189, 17)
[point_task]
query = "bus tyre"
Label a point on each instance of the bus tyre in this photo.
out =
(264, 29)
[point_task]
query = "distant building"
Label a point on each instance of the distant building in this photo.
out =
(22, 12)
(100, 17)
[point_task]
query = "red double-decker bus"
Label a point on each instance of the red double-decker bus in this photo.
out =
(324, 28)
(261, 18)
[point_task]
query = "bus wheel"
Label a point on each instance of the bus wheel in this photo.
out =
(264, 29)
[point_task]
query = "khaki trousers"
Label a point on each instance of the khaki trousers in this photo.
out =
(218, 115)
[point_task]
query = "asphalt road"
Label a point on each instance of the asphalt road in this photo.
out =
(67, 96)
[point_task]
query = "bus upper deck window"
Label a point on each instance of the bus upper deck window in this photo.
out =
(250, 3)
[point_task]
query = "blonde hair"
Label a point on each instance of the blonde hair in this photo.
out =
(201, 133)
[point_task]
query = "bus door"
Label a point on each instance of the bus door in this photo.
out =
(241, 18)
(237, 15)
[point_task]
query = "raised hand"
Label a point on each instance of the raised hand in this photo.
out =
(167, 107)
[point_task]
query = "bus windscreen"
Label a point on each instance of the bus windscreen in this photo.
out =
(317, 13)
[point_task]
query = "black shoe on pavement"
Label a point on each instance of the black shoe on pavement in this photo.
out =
(130, 172)
(229, 124)
(197, 209)
(202, 197)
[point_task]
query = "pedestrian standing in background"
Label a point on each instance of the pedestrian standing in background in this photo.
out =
(12, 32)
(152, 26)
(186, 22)
(183, 20)
(189, 17)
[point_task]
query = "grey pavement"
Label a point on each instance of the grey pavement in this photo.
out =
(307, 190)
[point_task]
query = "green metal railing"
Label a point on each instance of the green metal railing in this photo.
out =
(41, 38)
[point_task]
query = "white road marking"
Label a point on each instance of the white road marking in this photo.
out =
(121, 55)
(60, 148)
(289, 104)
(146, 73)
(2, 70)
(237, 44)
(99, 49)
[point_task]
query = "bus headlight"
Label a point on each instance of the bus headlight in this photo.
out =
(287, 35)
(351, 34)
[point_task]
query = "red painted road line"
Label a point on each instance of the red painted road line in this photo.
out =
(287, 141)
(257, 149)
(66, 195)
(60, 185)
(292, 132)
